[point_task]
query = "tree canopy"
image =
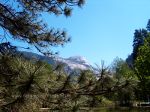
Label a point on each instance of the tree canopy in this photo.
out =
(142, 64)
(20, 19)
(29, 85)
(139, 61)
(139, 36)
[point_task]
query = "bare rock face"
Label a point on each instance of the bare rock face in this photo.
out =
(74, 63)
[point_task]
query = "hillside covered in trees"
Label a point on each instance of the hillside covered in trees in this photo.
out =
(34, 84)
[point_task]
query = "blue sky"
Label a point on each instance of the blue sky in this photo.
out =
(102, 29)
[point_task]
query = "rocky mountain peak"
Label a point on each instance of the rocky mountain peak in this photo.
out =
(71, 63)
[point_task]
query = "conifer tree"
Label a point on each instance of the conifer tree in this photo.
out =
(26, 84)
(20, 19)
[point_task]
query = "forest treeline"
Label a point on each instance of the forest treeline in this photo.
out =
(30, 85)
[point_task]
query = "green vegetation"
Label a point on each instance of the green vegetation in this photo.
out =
(29, 86)
(22, 21)
(142, 70)
(32, 85)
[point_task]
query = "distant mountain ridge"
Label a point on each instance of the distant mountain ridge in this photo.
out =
(73, 63)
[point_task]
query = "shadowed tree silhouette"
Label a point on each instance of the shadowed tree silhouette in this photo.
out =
(28, 84)
(20, 19)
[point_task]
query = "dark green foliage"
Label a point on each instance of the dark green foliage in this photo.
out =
(148, 25)
(20, 19)
(27, 85)
(30, 85)
(7, 49)
(142, 64)
(122, 72)
(19, 78)
(139, 61)
(139, 37)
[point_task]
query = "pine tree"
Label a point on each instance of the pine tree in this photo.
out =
(20, 19)
(27, 85)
